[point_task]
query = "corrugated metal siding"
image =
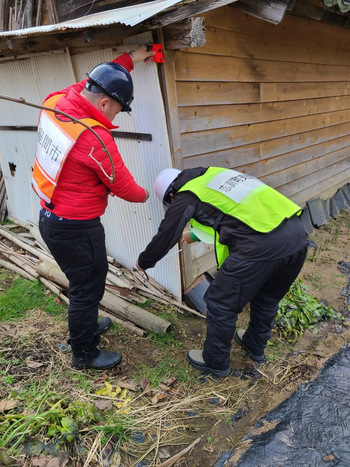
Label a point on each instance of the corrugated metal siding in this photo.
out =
(129, 226)
(129, 16)
(21, 78)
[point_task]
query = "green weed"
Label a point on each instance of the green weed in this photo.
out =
(167, 368)
(119, 426)
(164, 340)
(315, 280)
(299, 311)
(8, 379)
(81, 380)
(22, 296)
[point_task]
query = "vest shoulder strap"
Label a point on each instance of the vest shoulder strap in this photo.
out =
(91, 122)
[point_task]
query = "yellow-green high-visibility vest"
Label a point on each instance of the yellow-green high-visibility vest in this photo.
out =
(243, 197)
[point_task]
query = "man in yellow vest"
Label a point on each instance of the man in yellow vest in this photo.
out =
(71, 175)
(260, 247)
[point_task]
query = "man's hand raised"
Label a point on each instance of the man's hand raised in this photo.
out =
(142, 54)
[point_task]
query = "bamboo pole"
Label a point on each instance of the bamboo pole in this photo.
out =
(16, 269)
(18, 222)
(118, 282)
(34, 251)
(56, 290)
(20, 263)
(131, 327)
(130, 279)
(111, 302)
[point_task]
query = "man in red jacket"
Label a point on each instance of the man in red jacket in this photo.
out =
(71, 176)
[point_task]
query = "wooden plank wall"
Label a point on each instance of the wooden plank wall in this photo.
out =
(272, 101)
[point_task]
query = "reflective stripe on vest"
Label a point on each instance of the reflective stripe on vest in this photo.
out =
(243, 197)
(55, 140)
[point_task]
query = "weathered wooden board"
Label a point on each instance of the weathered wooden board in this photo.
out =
(196, 67)
(207, 93)
(312, 32)
(291, 49)
(198, 118)
(272, 11)
(275, 147)
(287, 175)
(265, 167)
(324, 188)
(224, 138)
(270, 92)
(257, 155)
(231, 157)
(331, 173)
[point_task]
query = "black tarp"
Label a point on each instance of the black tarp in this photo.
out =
(312, 425)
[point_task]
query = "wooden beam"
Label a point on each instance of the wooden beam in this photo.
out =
(78, 41)
(184, 34)
(186, 11)
(267, 10)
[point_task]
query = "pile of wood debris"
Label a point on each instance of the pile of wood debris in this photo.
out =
(23, 251)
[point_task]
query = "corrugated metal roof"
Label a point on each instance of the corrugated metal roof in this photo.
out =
(130, 16)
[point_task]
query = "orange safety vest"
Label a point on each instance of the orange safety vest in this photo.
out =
(55, 140)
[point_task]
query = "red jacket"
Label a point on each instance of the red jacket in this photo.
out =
(82, 189)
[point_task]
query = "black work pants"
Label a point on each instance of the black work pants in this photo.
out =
(238, 282)
(80, 251)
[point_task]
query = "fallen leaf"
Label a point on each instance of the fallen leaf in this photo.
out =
(48, 461)
(163, 387)
(145, 384)
(31, 364)
(125, 402)
(158, 397)
(7, 405)
(123, 394)
(55, 462)
(163, 453)
(122, 404)
(103, 404)
(180, 393)
(170, 381)
(131, 385)
(107, 390)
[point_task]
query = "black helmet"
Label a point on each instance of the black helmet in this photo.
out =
(115, 81)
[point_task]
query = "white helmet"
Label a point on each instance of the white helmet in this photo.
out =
(163, 181)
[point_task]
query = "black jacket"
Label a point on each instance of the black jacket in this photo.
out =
(244, 242)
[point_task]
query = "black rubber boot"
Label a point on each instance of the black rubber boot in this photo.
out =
(103, 325)
(103, 361)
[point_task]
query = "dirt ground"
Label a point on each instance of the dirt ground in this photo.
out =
(258, 389)
(216, 415)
